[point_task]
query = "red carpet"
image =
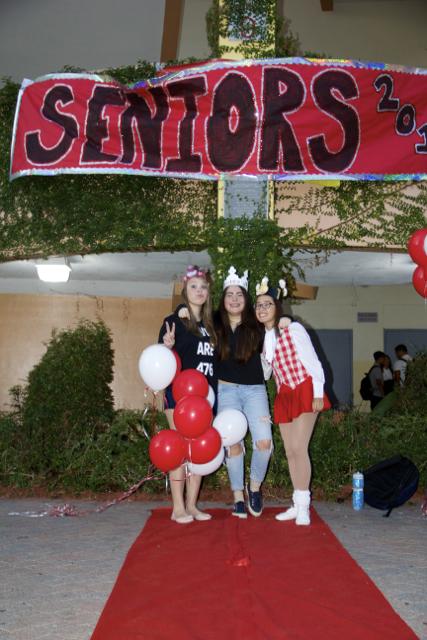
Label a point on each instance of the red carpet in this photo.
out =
(257, 579)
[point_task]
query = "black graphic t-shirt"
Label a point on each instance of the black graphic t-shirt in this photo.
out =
(195, 351)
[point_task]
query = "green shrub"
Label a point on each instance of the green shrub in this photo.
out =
(62, 433)
(112, 460)
(412, 397)
(360, 440)
(68, 396)
(108, 460)
(117, 457)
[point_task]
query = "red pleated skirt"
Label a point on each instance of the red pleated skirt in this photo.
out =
(291, 403)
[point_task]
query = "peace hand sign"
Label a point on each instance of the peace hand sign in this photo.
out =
(169, 337)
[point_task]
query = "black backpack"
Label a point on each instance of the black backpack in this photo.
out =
(366, 387)
(390, 483)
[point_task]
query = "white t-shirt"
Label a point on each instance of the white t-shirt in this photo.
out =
(401, 365)
(387, 374)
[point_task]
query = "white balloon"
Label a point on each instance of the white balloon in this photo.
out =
(208, 467)
(211, 396)
(232, 426)
(157, 366)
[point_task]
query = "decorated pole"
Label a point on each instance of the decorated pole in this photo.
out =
(240, 196)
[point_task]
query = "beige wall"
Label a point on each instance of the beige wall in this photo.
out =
(26, 323)
(398, 307)
(374, 30)
(290, 216)
(41, 37)
(193, 40)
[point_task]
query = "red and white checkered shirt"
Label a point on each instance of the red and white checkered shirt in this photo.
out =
(287, 367)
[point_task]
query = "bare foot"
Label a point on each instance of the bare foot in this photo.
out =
(197, 514)
(182, 517)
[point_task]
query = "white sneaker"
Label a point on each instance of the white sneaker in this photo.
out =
(289, 514)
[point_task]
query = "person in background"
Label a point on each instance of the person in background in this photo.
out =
(193, 339)
(376, 378)
(401, 364)
(388, 378)
(299, 377)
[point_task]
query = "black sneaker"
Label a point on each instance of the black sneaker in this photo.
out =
(254, 502)
(239, 510)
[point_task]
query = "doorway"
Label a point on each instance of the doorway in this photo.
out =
(334, 348)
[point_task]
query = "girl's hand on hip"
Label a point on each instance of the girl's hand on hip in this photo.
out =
(317, 405)
(169, 337)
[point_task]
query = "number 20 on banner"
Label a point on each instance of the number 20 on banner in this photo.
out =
(406, 121)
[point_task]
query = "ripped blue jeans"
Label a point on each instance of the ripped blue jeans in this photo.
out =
(253, 402)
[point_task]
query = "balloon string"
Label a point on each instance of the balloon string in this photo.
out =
(63, 510)
(152, 474)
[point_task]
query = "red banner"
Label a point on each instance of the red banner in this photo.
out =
(284, 119)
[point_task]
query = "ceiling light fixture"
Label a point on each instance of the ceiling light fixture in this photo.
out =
(54, 271)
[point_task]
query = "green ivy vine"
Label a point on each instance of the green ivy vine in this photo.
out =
(261, 31)
(81, 214)
(377, 215)
(257, 244)
(68, 214)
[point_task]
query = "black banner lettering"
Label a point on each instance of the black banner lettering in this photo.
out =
(276, 132)
(325, 88)
(149, 127)
(187, 90)
(36, 152)
(96, 127)
(233, 104)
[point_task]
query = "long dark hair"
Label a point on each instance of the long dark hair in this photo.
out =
(249, 338)
(278, 313)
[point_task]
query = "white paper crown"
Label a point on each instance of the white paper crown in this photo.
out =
(264, 288)
(233, 279)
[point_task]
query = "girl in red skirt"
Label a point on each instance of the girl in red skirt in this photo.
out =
(288, 353)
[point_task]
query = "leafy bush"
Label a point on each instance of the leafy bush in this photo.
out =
(109, 460)
(117, 457)
(358, 440)
(67, 398)
(106, 451)
(412, 397)
(112, 460)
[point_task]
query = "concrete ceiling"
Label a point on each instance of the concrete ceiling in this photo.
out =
(152, 274)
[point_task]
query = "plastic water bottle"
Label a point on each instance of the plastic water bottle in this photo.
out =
(357, 491)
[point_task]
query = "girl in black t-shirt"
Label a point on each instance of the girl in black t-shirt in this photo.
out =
(241, 386)
(193, 339)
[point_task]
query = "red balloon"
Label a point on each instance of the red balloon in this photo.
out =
(419, 280)
(192, 416)
(167, 450)
(178, 363)
(204, 448)
(417, 247)
(189, 383)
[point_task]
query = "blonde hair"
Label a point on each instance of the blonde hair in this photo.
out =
(191, 323)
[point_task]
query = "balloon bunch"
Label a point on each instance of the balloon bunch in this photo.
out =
(417, 249)
(199, 439)
(195, 439)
